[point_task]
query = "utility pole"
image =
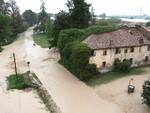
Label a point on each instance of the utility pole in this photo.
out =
(15, 64)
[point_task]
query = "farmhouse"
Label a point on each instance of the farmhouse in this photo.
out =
(131, 43)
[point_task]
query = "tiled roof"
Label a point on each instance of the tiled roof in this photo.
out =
(120, 38)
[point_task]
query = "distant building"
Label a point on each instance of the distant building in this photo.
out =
(131, 43)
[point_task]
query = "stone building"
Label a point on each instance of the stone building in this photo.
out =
(126, 43)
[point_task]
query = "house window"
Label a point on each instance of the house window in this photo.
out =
(132, 49)
(148, 48)
(104, 64)
(93, 53)
(105, 52)
(117, 51)
(131, 60)
(146, 59)
(126, 50)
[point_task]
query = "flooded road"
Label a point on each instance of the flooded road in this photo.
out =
(16, 101)
(70, 94)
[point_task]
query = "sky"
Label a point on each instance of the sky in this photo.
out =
(110, 7)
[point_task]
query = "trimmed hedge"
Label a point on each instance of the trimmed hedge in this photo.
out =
(75, 57)
(99, 29)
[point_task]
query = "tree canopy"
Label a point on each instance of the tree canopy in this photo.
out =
(42, 18)
(79, 13)
(30, 17)
(62, 21)
(11, 22)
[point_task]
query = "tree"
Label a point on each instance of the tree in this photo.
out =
(146, 92)
(79, 13)
(62, 21)
(49, 27)
(3, 7)
(93, 17)
(42, 18)
(17, 21)
(30, 17)
(5, 28)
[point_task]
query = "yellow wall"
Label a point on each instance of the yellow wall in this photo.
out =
(138, 56)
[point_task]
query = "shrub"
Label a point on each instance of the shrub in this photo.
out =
(146, 92)
(21, 81)
(123, 66)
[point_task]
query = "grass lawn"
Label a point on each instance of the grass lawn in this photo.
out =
(21, 81)
(41, 40)
(110, 76)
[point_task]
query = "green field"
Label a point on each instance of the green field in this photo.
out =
(110, 76)
(41, 40)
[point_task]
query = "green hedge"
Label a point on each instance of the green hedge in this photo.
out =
(99, 29)
(75, 57)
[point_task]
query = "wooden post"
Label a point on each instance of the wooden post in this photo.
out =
(15, 64)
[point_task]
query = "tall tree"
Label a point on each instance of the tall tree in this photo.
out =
(30, 17)
(3, 7)
(62, 21)
(42, 18)
(93, 17)
(79, 13)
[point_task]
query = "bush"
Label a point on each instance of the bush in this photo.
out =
(21, 81)
(146, 92)
(123, 66)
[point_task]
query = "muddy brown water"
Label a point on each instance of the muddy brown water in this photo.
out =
(70, 94)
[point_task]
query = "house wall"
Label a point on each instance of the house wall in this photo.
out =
(138, 57)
